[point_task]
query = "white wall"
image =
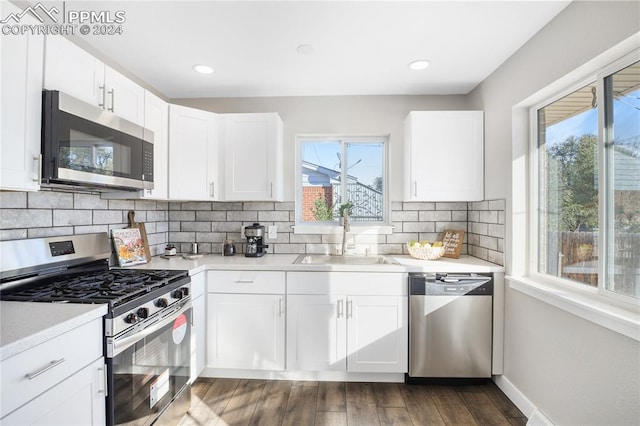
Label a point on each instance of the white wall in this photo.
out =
(365, 115)
(574, 371)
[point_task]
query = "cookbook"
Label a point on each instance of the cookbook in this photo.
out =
(129, 246)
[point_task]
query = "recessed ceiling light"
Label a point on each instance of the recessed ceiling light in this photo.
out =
(203, 69)
(305, 49)
(420, 64)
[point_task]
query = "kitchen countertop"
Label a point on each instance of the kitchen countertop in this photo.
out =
(284, 262)
(26, 324)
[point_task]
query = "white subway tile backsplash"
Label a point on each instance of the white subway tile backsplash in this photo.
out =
(25, 218)
(92, 229)
(13, 234)
(49, 232)
(122, 205)
(260, 206)
(179, 215)
(418, 227)
(195, 226)
(212, 216)
(13, 200)
(89, 202)
(435, 216)
(489, 216)
(273, 216)
(210, 223)
(112, 216)
(404, 216)
(71, 217)
(49, 200)
(418, 206)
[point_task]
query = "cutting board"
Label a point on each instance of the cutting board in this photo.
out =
(143, 233)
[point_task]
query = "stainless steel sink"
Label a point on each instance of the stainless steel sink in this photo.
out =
(325, 259)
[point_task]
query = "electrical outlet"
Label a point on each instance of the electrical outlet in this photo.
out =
(273, 232)
(242, 233)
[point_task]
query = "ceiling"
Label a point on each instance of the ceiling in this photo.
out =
(359, 47)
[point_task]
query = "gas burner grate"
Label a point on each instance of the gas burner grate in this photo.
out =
(115, 287)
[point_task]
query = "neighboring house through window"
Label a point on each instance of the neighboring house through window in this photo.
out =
(338, 172)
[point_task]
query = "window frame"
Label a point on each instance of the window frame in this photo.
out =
(604, 193)
(357, 227)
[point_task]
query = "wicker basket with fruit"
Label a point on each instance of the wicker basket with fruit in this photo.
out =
(425, 250)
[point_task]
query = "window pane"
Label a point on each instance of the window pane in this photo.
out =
(622, 142)
(320, 175)
(365, 180)
(568, 187)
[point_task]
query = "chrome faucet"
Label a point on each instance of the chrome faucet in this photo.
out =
(346, 227)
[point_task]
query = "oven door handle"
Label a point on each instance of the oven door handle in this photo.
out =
(116, 345)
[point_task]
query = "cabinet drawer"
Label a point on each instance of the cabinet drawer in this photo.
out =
(198, 282)
(76, 348)
(254, 282)
(364, 283)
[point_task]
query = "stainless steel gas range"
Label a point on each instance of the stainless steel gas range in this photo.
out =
(147, 331)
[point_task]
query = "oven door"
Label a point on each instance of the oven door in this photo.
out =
(88, 145)
(148, 371)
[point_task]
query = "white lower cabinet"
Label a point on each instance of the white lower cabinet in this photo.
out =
(355, 322)
(78, 400)
(199, 324)
(57, 382)
(246, 320)
(316, 333)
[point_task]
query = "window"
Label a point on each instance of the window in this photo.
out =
(339, 172)
(588, 184)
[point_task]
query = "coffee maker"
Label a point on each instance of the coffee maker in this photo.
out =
(255, 240)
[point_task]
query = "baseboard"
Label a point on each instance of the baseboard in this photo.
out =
(535, 416)
(326, 376)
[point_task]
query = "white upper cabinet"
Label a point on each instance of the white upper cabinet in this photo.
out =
(124, 97)
(193, 154)
(444, 156)
(72, 70)
(21, 103)
(253, 153)
(156, 119)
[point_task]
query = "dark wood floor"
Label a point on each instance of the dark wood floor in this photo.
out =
(263, 402)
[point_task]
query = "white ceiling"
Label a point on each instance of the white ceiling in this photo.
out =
(361, 48)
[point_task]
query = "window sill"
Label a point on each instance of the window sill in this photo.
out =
(585, 305)
(336, 229)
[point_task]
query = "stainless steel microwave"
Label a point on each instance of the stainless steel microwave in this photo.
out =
(86, 146)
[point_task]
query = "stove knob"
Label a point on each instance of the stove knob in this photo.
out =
(161, 303)
(131, 318)
(185, 291)
(143, 313)
(178, 294)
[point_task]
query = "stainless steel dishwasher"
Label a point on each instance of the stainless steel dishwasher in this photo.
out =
(450, 323)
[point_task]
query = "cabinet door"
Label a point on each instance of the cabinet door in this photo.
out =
(156, 119)
(199, 326)
(316, 333)
(20, 116)
(124, 97)
(193, 144)
(377, 330)
(78, 400)
(246, 331)
(198, 337)
(253, 157)
(72, 70)
(444, 156)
